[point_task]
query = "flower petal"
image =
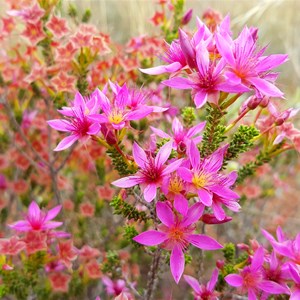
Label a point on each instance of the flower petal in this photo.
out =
(172, 167)
(139, 155)
(193, 283)
(52, 213)
(234, 280)
(165, 213)
(60, 125)
(150, 192)
(177, 263)
(265, 87)
(205, 197)
(179, 83)
(203, 242)
(173, 67)
(200, 98)
(163, 154)
(193, 215)
(127, 182)
(181, 204)
(194, 155)
(150, 238)
(66, 142)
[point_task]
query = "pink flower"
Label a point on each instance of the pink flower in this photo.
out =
(37, 220)
(32, 14)
(67, 253)
(59, 282)
(176, 234)
(64, 82)
(11, 246)
(116, 113)
(180, 135)
(114, 288)
(205, 178)
(34, 32)
(152, 170)
(202, 292)
(93, 269)
(247, 66)
(251, 279)
(294, 271)
(57, 26)
(35, 241)
(87, 209)
(79, 124)
(208, 81)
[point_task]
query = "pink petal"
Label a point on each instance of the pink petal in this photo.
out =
(196, 129)
(79, 101)
(193, 283)
(251, 295)
(60, 125)
(270, 62)
(34, 211)
(177, 263)
(203, 242)
(127, 182)
(213, 281)
(225, 49)
(139, 113)
(98, 118)
(193, 215)
(139, 155)
(257, 259)
(200, 98)
(66, 142)
(52, 213)
(172, 167)
(93, 129)
(205, 197)
(150, 238)
(185, 174)
(272, 287)
(194, 155)
(295, 295)
(218, 211)
(163, 154)
(178, 83)
(265, 87)
(234, 280)
(21, 226)
(51, 225)
(150, 192)
(173, 67)
(181, 204)
(160, 133)
(165, 213)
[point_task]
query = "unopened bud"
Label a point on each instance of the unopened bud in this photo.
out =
(108, 135)
(253, 102)
(265, 101)
(181, 148)
(187, 17)
(187, 49)
(211, 219)
(220, 264)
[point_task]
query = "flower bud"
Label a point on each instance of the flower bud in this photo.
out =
(108, 135)
(253, 102)
(187, 49)
(187, 17)
(220, 264)
(211, 219)
(265, 101)
(181, 148)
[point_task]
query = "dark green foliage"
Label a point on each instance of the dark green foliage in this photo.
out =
(229, 252)
(112, 263)
(118, 161)
(250, 168)
(214, 131)
(86, 16)
(127, 210)
(241, 142)
(129, 233)
(188, 115)
(72, 11)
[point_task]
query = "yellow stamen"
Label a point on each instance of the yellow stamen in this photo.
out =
(199, 180)
(115, 117)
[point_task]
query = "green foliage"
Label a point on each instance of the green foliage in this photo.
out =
(100, 169)
(118, 162)
(126, 210)
(250, 168)
(129, 233)
(72, 11)
(229, 252)
(241, 142)
(86, 16)
(214, 131)
(76, 286)
(188, 115)
(112, 265)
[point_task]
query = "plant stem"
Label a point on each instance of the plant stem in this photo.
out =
(153, 274)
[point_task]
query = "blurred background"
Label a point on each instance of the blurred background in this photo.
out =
(278, 22)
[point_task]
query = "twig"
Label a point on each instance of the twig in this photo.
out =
(153, 274)
(20, 131)
(200, 270)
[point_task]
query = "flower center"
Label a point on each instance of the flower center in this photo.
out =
(176, 234)
(115, 117)
(199, 180)
(175, 185)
